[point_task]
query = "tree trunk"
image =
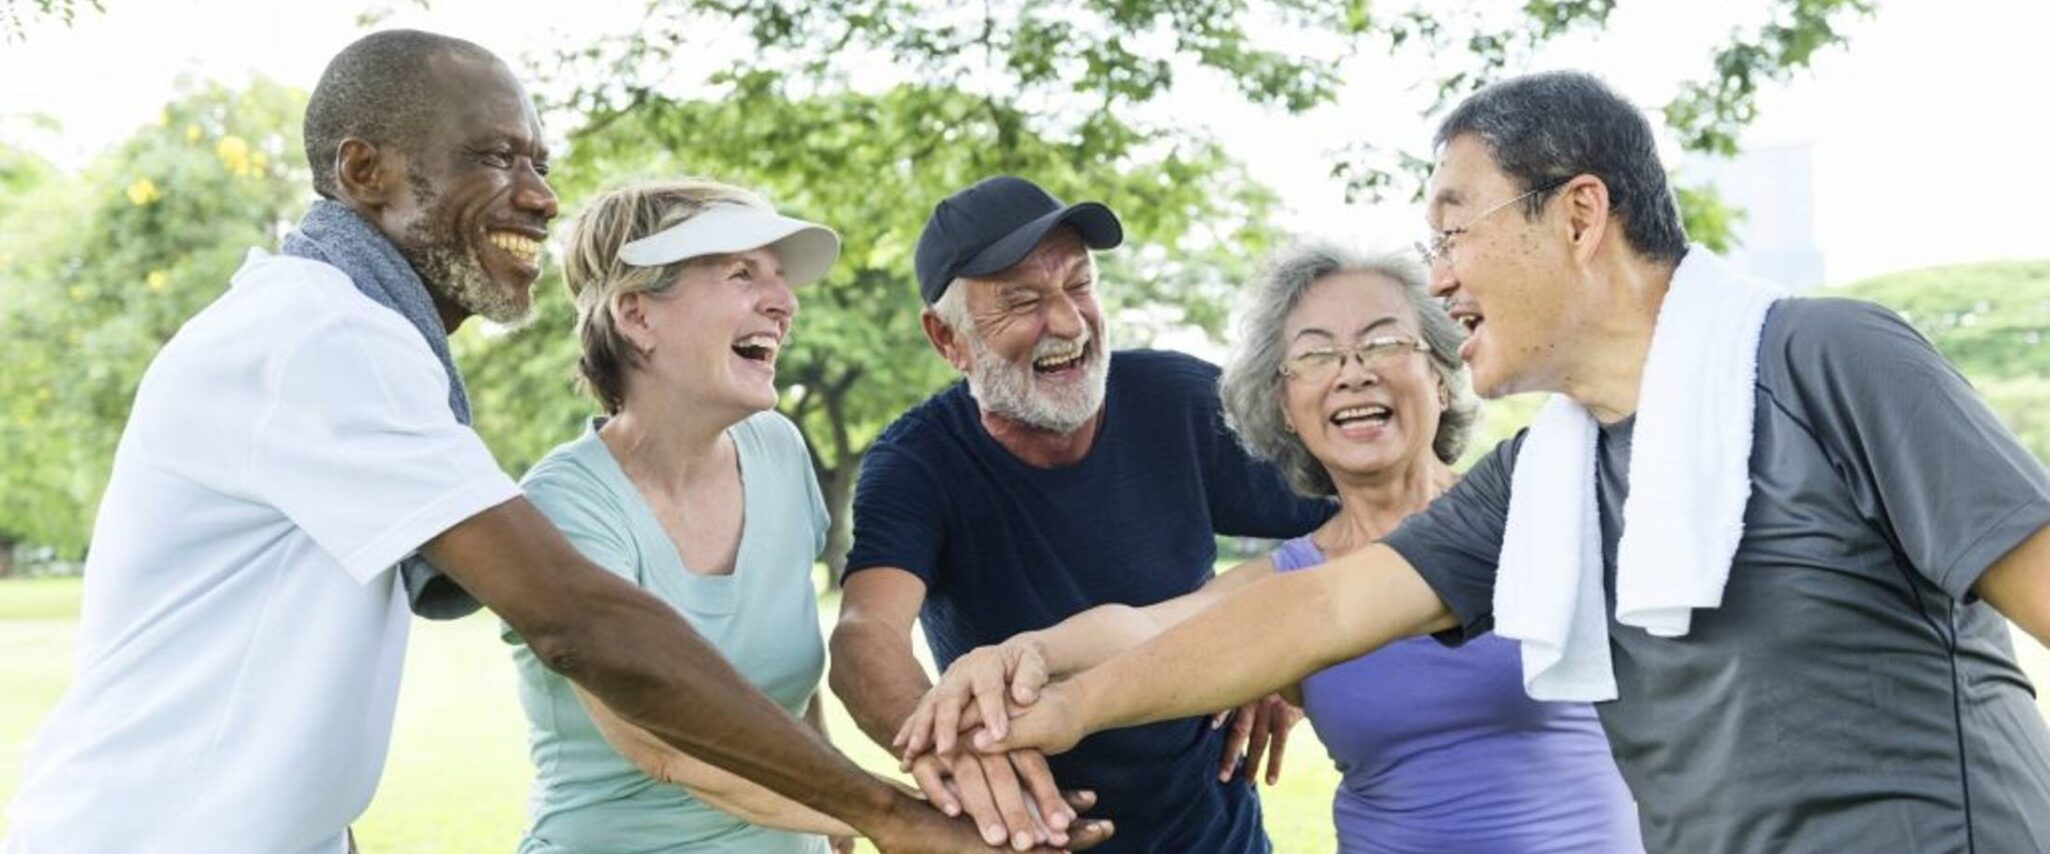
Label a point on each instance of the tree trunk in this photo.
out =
(6, 557)
(838, 489)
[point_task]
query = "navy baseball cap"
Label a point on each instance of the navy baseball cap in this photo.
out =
(995, 223)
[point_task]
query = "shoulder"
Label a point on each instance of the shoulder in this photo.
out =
(931, 422)
(568, 477)
(774, 432)
(1806, 326)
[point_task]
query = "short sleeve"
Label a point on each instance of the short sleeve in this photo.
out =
(800, 453)
(1455, 543)
(358, 448)
(898, 518)
(1924, 458)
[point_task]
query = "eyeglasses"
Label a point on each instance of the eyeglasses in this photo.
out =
(1318, 366)
(1434, 250)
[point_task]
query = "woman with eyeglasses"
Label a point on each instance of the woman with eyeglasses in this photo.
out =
(1346, 376)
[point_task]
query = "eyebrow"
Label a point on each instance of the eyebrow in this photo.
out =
(1323, 333)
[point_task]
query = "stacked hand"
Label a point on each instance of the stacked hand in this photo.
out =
(1001, 700)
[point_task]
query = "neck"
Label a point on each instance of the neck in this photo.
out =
(665, 446)
(1038, 446)
(1613, 336)
(1370, 506)
(452, 315)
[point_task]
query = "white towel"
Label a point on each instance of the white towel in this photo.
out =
(1689, 483)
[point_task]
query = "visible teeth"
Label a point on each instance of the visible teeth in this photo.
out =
(1352, 413)
(1056, 357)
(760, 346)
(518, 244)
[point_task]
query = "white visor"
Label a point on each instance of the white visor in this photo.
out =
(806, 249)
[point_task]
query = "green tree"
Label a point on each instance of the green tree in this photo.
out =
(102, 267)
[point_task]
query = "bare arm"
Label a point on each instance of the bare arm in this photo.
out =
(1094, 636)
(600, 632)
(722, 789)
(879, 679)
(2018, 585)
(1265, 636)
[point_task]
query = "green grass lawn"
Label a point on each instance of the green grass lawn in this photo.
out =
(457, 775)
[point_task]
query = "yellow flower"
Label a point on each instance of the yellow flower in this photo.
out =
(142, 192)
(157, 280)
(192, 132)
(234, 152)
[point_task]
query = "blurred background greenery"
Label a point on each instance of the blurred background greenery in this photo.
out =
(101, 262)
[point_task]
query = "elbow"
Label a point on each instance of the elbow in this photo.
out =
(844, 654)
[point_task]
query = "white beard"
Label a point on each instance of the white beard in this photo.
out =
(1016, 393)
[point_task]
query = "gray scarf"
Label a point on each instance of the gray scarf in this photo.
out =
(334, 235)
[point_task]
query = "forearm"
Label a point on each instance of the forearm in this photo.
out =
(876, 677)
(693, 701)
(753, 804)
(1216, 659)
(1091, 638)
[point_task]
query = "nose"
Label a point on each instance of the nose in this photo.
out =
(1441, 282)
(779, 299)
(1064, 317)
(532, 194)
(1354, 373)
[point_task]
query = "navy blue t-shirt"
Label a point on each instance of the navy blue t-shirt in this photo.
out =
(1005, 547)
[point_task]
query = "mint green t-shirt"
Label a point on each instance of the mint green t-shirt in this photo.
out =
(763, 618)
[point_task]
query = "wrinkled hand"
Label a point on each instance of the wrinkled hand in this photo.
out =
(1052, 724)
(973, 690)
(913, 827)
(1011, 798)
(1257, 728)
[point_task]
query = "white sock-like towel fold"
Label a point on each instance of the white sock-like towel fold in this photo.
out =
(1689, 484)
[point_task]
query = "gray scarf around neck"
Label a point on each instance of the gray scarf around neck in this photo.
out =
(339, 237)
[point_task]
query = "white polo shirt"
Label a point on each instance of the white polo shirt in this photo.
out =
(242, 628)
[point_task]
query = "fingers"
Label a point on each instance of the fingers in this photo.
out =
(989, 700)
(1261, 734)
(1235, 740)
(932, 781)
(950, 696)
(979, 803)
(1028, 677)
(1079, 800)
(1009, 798)
(1089, 833)
(913, 737)
(1286, 717)
(1038, 782)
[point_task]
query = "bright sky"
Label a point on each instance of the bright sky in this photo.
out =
(1928, 144)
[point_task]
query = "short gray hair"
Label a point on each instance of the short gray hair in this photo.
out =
(1251, 385)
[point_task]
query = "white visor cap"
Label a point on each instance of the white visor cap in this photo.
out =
(806, 249)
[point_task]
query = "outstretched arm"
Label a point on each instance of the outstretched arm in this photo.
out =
(1269, 635)
(722, 789)
(635, 654)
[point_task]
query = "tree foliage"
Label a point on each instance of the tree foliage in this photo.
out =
(15, 15)
(98, 269)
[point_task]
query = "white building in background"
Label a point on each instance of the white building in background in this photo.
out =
(1775, 188)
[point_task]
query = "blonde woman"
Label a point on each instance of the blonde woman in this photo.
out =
(694, 488)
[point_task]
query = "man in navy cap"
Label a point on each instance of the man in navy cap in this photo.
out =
(1028, 493)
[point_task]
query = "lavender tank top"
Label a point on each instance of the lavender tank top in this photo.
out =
(1441, 750)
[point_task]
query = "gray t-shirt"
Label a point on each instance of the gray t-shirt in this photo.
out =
(1850, 694)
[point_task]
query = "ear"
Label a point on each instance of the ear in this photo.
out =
(367, 176)
(945, 341)
(1587, 215)
(630, 317)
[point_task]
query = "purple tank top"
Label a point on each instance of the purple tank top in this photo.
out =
(1441, 750)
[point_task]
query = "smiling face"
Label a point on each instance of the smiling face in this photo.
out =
(1506, 278)
(477, 204)
(712, 337)
(1361, 421)
(1035, 351)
